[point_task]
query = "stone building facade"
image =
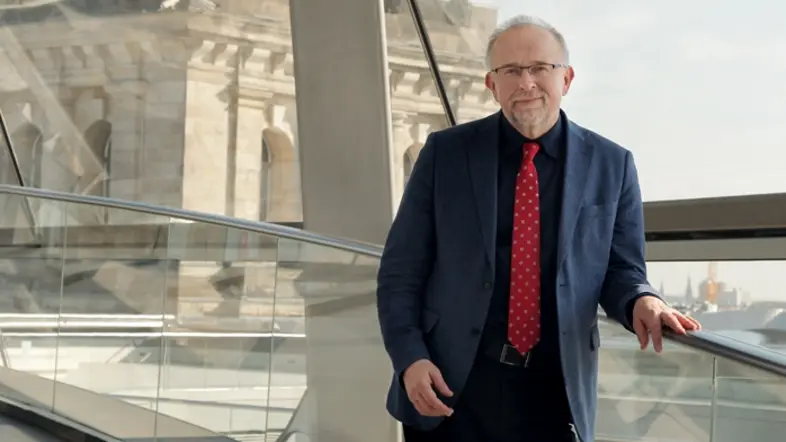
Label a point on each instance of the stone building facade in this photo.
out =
(191, 104)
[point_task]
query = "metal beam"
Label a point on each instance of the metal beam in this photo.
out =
(732, 213)
(345, 146)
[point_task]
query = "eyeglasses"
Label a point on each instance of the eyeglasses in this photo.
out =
(538, 70)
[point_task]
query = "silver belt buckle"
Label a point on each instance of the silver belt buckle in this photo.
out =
(508, 352)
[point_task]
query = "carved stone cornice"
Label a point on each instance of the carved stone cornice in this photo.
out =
(254, 98)
(136, 88)
(418, 86)
(277, 61)
(214, 55)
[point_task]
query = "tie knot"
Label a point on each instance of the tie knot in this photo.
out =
(530, 149)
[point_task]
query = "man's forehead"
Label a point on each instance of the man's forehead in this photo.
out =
(532, 42)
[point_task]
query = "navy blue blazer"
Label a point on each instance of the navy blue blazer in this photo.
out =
(436, 275)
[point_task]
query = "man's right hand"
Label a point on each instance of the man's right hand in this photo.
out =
(420, 379)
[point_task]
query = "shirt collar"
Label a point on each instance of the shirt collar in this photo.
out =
(550, 142)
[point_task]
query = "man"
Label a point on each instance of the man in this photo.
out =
(511, 231)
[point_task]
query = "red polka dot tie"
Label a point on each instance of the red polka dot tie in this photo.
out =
(524, 312)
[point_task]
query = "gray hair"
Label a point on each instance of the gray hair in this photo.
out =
(519, 21)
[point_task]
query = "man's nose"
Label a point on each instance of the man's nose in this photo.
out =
(527, 81)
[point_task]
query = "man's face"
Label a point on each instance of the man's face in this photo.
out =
(524, 80)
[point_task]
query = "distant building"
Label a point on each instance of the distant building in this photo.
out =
(678, 299)
(191, 104)
(689, 299)
(727, 297)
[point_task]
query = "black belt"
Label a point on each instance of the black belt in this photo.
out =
(508, 355)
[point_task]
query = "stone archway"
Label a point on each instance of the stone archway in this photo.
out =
(279, 191)
(98, 137)
(410, 156)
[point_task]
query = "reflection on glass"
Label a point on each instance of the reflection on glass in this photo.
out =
(30, 281)
(642, 395)
(113, 284)
(204, 119)
(683, 395)
(202, 329)
(751, 405)
(327, 299)
(205, 329)
(171, 107)
(287, 382)
(217, 354)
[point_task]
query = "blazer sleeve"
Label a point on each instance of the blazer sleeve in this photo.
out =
(626, 274)
(406, 265)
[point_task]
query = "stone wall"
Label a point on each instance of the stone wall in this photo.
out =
(196, 108)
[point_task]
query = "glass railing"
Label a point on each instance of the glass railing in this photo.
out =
(198, 321)
(709, 261)
(686, 394)
(256, 332)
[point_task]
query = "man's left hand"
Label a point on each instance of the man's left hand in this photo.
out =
(650, 314)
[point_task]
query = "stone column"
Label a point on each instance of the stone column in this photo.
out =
(207, 133)
(401, 142)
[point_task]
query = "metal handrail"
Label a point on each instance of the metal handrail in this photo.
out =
(278, 231)
(728, 348)
(706, 342)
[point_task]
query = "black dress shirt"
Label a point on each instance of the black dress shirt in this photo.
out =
(544, 367)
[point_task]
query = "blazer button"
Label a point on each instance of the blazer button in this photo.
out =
(476, 331)
(486, 285)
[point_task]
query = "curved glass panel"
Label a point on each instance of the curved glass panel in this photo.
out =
(458, 31)
(700, 106)
(205, 329)
(417, 109)
(195, 330)
(683, 395)
(415, 104)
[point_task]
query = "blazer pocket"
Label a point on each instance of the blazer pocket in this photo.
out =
(591, 211)
(595, 231)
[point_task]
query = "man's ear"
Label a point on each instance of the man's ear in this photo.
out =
(567, 80)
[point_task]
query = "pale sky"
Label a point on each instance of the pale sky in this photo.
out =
(695, 89)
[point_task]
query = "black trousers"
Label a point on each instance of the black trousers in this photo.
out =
(501, 403)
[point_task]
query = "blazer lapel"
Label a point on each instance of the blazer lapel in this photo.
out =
(578, 158)
(482, 160)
